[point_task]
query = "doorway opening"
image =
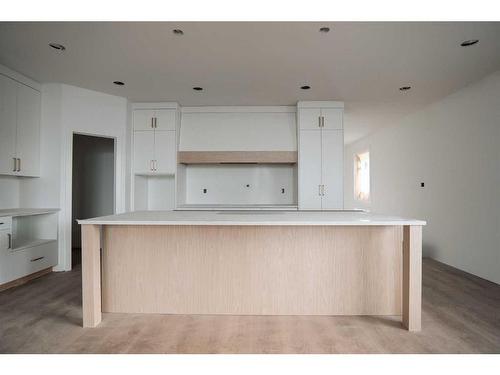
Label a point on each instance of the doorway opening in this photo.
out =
(93, 184)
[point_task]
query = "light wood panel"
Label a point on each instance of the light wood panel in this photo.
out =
(91, 275)
(269, 270)
(412, 277)
(214, 157)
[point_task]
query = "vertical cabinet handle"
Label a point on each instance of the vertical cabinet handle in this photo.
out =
(156, 122)
(15, 165)
(321, 121)
(19, 165)
(155, 164)
(152, 122)
(321, 190)
(151, 165)
(9, 236)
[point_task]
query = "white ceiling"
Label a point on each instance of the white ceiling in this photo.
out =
(255, 63)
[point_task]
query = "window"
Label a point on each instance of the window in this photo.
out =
(362, 176)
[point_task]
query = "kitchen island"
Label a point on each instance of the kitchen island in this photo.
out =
(252, 263)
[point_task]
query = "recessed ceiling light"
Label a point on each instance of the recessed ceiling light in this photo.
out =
(305, 87)
(119, 83)
(324, 29)
(178, 32)
(57, 46)
(198, 88)
(467, 43)
(404, 88)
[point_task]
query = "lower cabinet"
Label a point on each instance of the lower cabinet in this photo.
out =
(332, 169)
(28, 244)
(19, 263)
(144, 154)
(165, 152)
(321, 169)
(154, 152)
(309, 193)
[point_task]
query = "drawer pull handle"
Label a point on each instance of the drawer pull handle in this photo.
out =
(39, 258)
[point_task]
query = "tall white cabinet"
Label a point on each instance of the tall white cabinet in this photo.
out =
(19, 128)
(154, 140)
(320, 154)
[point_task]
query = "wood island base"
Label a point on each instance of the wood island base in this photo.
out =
(252, 270)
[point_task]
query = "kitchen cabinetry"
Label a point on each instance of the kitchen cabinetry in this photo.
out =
(28, 243)
(19, 129)
(321, 149)
(154, 146)
(154, 155)
(159, 119)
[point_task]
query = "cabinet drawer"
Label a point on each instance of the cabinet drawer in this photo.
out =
(17, 264)
(5, 223)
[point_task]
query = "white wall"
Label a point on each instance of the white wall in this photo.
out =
(67, 110)
(453, 146)
(227, 184)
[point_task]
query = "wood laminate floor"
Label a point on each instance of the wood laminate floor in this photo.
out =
(461, 314)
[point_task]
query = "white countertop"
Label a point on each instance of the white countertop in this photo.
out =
(237, 207)
(15, 212)
(250, 218)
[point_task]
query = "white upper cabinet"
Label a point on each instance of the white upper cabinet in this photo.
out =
(154, 141)
(154, 119)
(321, 118)
(332, 118)
(28, 131)
(8, 115)
(309, 119)
(143, 119)
(165, 119)
(321, 154)
(19, 129)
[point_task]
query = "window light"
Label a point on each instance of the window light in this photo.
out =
(362, 176)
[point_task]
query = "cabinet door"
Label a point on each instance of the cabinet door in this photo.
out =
(8, 95)
(165, 119)
(144, 144)
(28, 131)
(143, 119)
(309, 118)
(165, 151)
(309, 169)
(332, 169)
(333, 118)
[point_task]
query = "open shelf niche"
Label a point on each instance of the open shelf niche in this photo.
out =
(154, 192)
(34, 230)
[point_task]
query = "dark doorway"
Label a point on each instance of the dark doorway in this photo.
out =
(93, 190)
